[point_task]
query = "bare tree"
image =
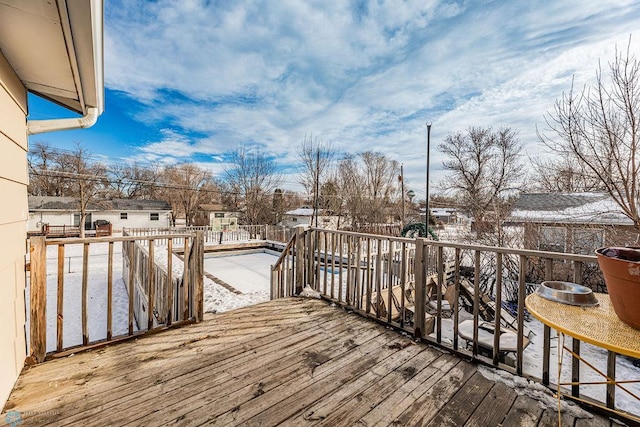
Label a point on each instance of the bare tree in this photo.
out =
(350, 183)
(84, 180)
(132, 181)
(254, 176)
(485, 169)
(186, 187)
(382, 189)
(317, 158)
(599, 128)
(368, 187)
(562, 174)
(43, 179)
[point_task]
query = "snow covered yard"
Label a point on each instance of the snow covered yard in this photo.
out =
(247, 271)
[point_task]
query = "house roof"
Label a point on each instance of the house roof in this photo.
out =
(305, 211)
(443, 211)
(569, 208)
(56, 49)
(51, 203)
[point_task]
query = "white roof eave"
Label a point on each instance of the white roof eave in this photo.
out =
(56, 49)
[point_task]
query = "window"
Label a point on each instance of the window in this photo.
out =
(585, 242)
(552, 239)
(124, 215)
(154, 216)
(87, 220)
(218, 215)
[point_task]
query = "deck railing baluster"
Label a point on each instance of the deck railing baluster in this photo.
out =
(476, 300)
(170, 288)
(60, 302)
(109, 292)
(85, 294)
(498, 305)
(521, 298)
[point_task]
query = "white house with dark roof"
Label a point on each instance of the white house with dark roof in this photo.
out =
(120, 213)
(571, 222)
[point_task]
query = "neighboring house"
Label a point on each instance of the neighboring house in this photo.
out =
(52, 48)
(120, 213)
(219, 218)
(448, 216)
(304, 216)
(571, 222)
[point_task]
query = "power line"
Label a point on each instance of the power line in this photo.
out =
(74, 176)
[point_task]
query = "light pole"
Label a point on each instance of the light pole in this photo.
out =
(426, 202)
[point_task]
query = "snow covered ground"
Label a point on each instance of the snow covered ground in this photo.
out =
(250, 273)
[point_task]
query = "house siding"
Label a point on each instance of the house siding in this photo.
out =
(13, 226)
(613, 235)
(135, 219)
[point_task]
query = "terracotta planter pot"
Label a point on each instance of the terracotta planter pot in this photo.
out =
(621, 269)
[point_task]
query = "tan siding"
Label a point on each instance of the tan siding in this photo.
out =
(12, 306)
(12, 84)
(14, 200)
(12, 161)
(13, 227)
(12, 120)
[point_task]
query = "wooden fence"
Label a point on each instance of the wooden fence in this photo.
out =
(245, 232)
(60, 230)
(416, 285)
(167, 299)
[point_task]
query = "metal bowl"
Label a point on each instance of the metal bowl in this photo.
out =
(567, 293)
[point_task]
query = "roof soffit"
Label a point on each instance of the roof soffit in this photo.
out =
(55, 49)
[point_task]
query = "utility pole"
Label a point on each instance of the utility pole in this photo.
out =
(317, 183)
(402, 192)
(426, 201)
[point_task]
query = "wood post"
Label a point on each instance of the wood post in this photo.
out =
(198, 269)
(185, 281)
(132, 258)
(110, 293)
(170, 288)
(299, 259)
(38, 298)
(151, 288)
(85, 294)
(60, 305)
(420, 274)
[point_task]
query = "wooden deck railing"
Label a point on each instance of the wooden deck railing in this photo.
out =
(244, 232)
(147, 278)
(60, 230)
(395, 281)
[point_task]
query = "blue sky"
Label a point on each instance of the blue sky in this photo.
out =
(193, 80)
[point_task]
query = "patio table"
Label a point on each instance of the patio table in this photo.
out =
(596, 325)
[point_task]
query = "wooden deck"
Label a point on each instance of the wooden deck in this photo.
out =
(289, 361)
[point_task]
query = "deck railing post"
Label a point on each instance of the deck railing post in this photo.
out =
(198, 269)
(420, 289)
(38, 298)
(300, 264)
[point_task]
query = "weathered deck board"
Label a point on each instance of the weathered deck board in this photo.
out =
(458, 410)
(524, 412)
(290, 362)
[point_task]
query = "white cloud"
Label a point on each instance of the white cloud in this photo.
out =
(223, 74)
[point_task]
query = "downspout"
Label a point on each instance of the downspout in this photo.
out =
(42, 126)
